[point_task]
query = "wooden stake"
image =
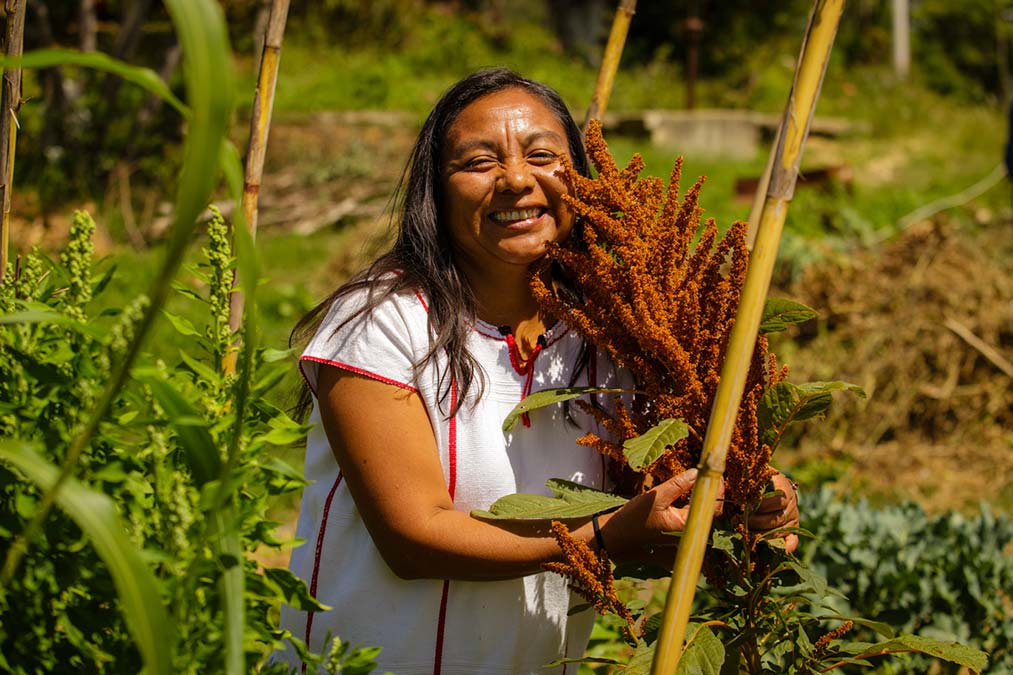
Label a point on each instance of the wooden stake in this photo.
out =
(10, 102)
(610, 60)
(260, 125)
(819, 38)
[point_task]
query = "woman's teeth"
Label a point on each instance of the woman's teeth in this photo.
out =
(512, 216)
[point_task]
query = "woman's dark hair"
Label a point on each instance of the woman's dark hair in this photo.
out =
(422, 257)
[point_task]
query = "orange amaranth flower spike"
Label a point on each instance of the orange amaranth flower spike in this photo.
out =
(663, 308)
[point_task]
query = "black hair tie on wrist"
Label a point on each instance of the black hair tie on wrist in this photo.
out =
(600, 540)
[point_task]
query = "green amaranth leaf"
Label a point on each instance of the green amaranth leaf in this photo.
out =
(779, 313)
(954, 652)
(570, 501)
(646, 448)
(181, 324)
(200, 449)
(640, 662)
(294, 589)
(786, 403)
(143, 612)
(540, 399)
(204, 371)
(704, 655)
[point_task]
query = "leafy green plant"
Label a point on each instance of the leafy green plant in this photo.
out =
(150, 481)
(947, 576)
(161, 471)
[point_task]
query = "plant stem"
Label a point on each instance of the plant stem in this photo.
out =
(260, 125)
(10, 102)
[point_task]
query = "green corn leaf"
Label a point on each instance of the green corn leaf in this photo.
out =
(540, 399)
(143, 612)
(786, 403)
(954, 652)
(570, 501)
(646, 448)
(145, 78)
(198, 445)
(779, 313)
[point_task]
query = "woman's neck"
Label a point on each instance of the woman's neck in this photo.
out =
(505, 299)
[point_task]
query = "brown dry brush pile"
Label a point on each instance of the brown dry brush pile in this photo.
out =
(663, 309)
(934, 399)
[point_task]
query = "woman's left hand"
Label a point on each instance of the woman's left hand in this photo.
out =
(778, 511)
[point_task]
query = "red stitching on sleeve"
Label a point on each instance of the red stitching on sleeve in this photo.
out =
(357, 371)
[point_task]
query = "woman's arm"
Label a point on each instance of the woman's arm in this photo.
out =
(382, 439)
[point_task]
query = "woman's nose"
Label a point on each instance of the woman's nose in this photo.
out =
(516, 177)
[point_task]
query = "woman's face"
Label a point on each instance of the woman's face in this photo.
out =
(502, 188)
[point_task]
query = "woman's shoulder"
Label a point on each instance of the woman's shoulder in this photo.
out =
(377, 300)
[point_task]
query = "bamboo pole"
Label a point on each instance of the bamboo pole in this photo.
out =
(10, 102)
(260, 126)
(760, 196)
(812, 64)
(610, 60)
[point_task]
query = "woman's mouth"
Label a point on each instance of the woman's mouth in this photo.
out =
(512, 216)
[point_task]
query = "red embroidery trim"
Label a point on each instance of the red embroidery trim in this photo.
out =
(353, 369)
(530, 380)
(317, 555)
(438, 659)
(424, 305)
(515, 358)
(452, 442)
(451, 487)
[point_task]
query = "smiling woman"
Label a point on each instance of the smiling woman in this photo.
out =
(411, 368)
(501, 184)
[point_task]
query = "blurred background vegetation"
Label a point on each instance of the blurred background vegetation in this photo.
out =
(357, 77)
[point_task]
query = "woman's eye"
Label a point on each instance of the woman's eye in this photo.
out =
(479, 163)
(543, 157)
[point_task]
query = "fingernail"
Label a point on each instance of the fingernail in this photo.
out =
(691, 474)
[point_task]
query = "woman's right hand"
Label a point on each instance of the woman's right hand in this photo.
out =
(647, 521)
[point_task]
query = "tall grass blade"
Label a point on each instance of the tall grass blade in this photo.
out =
(146, 78)
(143, 611)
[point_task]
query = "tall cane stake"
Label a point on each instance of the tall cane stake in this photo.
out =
(10, 101)
(260, 125)
(812, 65)
(610, 60)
